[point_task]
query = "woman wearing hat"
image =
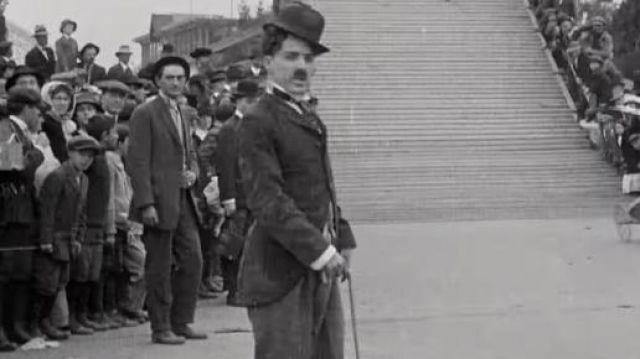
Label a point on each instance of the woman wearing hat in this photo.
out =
(59, 96)
(67, 47)
(87, 106)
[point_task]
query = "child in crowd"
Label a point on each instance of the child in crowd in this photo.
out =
(62, 228)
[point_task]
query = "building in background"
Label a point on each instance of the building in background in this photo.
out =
(22, 41)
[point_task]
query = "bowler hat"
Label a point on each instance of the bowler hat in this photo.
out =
(171, 60)
(246, 88)
(23, 71)
(302, 21)
(66, 22)
(200, 52)
(40, 30)
(123, 50)
(83, 143)
(89, 45)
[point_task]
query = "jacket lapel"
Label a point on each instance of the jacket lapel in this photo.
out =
(297, 118)
(165, 117)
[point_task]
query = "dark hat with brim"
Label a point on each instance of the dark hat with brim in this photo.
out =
(89, 45)
(200, 52)
(235, 73)
(132, 80)
(83, 143)
(99, 124)
(301, 20)
(216, 75)
(171, 60)
(66, 22)
(25, 96)
(86, 97)
(113, 86)
(23, 71)
(246, 88)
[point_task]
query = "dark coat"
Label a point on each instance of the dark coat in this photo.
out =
(53, 129)
(227, 164)
(62, 209)
(117, 73)
(67, 54)
(98, 196)
(95, 73)
(36, 60)
(290, 192)
(155, 162)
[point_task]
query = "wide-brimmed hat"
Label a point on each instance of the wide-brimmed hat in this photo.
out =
(171, 60)
(23, 71)
(302, 21)
(66, 22)
(200, 52)
(40, 30)
(25, 96)
(246, 88)
(87, 46)
(124, 50)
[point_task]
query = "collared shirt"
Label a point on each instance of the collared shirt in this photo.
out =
(176, 116)
(124, 66)
(43, 49)
(238, 114)
(255, 70)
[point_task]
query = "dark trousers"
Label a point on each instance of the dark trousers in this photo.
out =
(173, 270)
(307, 323)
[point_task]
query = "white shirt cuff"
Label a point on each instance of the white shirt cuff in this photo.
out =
(229, 201)
(319, 263)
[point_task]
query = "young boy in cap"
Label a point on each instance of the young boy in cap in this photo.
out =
(62, 227)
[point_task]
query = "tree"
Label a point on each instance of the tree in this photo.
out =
(260, 9)
(244, 12)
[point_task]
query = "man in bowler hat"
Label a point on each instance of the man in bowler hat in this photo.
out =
(163, 169)
(298, 247)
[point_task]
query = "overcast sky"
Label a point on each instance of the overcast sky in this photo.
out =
(110, 23)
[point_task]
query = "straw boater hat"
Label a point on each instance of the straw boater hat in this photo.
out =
(302, 21)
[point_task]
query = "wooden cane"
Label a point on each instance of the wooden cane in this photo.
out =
(353, 317)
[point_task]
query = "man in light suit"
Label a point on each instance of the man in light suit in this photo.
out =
(41, 58)
(163, 169)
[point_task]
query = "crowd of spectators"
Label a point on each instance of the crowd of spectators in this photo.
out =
(71, 260)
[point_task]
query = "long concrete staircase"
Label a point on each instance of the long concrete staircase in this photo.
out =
(449, 110)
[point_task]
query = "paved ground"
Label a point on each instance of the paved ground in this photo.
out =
(518, 289)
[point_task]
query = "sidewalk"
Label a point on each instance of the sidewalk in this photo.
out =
(517, 289)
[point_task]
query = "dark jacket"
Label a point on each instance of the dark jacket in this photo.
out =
(95, 73)
(155, 162)
(52, 127)
(98, 198)
(46, 66)
(62, 209)
(227, 164)
(117, 73)
(290, 192)
(67, 54)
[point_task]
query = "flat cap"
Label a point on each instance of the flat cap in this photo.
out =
(113, 86)
(25, 96)
(83, 143)
(99, 124)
